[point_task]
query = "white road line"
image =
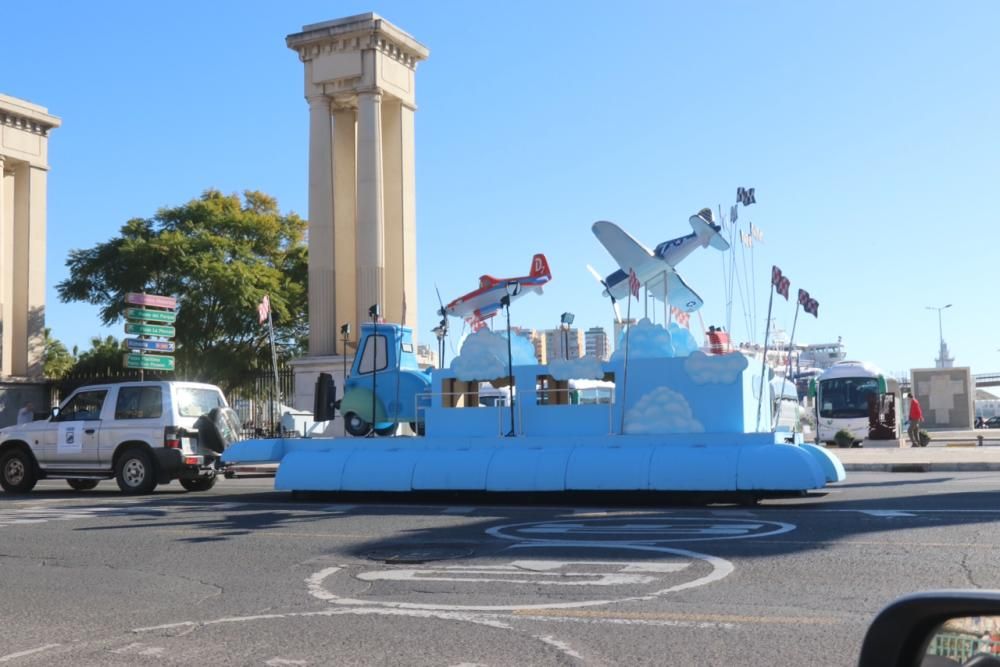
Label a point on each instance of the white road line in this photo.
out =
(458, 510)
(887, 514)
(21, 654)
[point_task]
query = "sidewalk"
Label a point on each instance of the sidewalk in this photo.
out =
(925, 459)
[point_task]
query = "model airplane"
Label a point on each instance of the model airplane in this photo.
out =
(483, 303)
(655, 268)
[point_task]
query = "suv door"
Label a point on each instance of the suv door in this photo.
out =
(77, 430)
(139, 416)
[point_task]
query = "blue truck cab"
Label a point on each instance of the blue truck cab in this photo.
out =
(385, 366)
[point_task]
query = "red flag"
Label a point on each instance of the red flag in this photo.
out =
(803, 298)
(633, 283)
(683, 319)
(264, 309)
(775, 276)
(812, 308)
(782, 287)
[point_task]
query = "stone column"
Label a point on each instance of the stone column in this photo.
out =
(6, 262)
(400, 213)
(371, 241)
(35, 275)
(345, 212)
(322, 296)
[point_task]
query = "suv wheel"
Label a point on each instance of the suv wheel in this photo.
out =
(17, 472)
(134, 472)
(82, 484)
(200, 484)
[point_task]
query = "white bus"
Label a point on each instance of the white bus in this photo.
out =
(842, 398)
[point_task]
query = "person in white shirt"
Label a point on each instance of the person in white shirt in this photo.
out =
(26, 414)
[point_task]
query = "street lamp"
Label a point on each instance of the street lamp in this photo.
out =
(345, 331)
(941, 353)
(564, 323)
(512, 288)
(374, 313)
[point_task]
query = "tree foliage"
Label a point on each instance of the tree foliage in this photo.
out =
(103, 358)
(57, 361)
(218, 255)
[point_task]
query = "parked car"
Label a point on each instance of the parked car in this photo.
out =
(140, 433)
(992, 422)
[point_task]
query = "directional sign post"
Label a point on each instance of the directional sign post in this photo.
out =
(150, 316)
(150, 362)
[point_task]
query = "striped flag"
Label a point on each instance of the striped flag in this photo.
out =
(683, 319)
(264, 309)
(756, 232)
(633, 283)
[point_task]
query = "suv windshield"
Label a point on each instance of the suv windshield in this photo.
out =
(195, 402)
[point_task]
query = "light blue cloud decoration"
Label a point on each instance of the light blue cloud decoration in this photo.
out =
(483, 356)
(714, 368)
(663, 410)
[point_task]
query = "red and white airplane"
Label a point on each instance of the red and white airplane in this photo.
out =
(481, 304)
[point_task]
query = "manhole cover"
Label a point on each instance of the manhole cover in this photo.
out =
(415, 554)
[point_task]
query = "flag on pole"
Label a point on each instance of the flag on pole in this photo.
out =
(812, 308)
(780, 282)
(745, 196)
(756, 232)
(683, 319)
(633, 283)
(746, 240)
(734, 213)
(264, 309)
(803, 297)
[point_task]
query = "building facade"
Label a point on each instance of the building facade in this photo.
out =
(24, 167)
(564, 343)
(597, 343)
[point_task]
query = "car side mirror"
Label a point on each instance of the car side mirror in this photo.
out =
(936, 629)
(54, 413)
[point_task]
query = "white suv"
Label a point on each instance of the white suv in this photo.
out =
(141, 433)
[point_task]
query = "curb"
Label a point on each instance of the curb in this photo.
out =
(954, 466)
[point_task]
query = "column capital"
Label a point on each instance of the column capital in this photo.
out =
(374, 93)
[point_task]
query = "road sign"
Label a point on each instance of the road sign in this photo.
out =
(151, 300)
(149, 330)
(150, 315)
(152, 362)
(150, 345)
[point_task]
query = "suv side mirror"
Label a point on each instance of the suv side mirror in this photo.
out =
(54, 413)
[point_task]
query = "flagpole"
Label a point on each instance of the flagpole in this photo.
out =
(628, 327)
(274, 367)
(763, 363)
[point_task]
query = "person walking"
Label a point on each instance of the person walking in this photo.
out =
(916, 418)
(26, 414)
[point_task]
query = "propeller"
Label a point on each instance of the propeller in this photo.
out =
(607, 290)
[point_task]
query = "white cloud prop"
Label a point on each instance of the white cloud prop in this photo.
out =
(663, 410)
(715, 368)
(645, 341)
(584, 368)
(484, 356)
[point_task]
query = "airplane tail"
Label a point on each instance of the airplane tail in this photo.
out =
(708, 234)
(540, 267)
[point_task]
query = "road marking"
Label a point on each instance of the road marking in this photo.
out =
(273, 662)
(21, 654)
(639, 531)
(458, 510)
(730, 620)
(536, 573)
(887, 514)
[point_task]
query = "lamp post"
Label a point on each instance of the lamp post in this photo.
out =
(512, 288)
(941, 352)
(565, 321)
(345, 331)
(374, 313)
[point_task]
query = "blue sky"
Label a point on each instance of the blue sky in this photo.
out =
(869, 131)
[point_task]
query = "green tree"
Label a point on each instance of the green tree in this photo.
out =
(57, 359)
(219, 255)
(103, 358)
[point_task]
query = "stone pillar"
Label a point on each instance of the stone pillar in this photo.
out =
(322, 295)
(26, 332)
(345, 263)
(6, 264)
(400, 211)
(371, 240)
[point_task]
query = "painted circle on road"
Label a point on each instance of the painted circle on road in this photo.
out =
(535, 580)
(639, 530)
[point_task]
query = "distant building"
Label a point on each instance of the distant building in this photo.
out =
(555, 339)
(537, 340)
(427, 356)
(597, 343)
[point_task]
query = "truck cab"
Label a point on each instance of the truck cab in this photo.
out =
(386, 387)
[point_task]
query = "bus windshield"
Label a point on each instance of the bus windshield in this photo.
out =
(846, 398)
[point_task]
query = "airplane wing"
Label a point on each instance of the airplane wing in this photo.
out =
(669, 285)
(626, 251)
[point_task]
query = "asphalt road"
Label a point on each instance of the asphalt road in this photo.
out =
(246, 576)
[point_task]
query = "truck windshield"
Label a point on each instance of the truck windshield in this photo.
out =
(846, 398)
(195, 402)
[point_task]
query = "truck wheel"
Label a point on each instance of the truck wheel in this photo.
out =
(387, 430)
(82, 484)
(200, 484)
(134, 472)
(17, 472)
(355, 425)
